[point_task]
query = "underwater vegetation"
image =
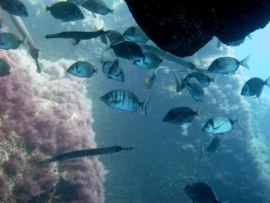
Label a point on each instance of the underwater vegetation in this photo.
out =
(39, 120)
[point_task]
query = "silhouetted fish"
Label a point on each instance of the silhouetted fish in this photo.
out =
(14, 7)
(97, 6)
(200, 193)
(195, 89)
(254, 86)
(180, 115)
(149, 61)
(201, 77)
(65, 11)
(127, 50)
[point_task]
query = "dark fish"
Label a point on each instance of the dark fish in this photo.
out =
(127, 50)
(212, 146)
(124, 100)
(135, 34)
(201, 77)
(113, 71)
(113, 36)
(82, 69)
(149, 61)
(77, 2)
(14, 7)
(167, 56)
(218, 125)
(195, 89)
(96, 6)
(226, 65)
(76, 35)
(254, 86)
(200, 193)
(9, 41)
(85, 152)
(4, 68)
(65, 11)
(180, 115)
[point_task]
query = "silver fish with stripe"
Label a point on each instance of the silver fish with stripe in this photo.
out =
(125, 100)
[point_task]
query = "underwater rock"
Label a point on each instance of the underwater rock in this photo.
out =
(185, 27)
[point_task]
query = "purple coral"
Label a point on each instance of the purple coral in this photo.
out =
(39, 119)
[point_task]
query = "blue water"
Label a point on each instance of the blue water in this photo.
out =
(166, 157)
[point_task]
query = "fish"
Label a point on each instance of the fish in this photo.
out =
(65, 11)
(113, 71)
(125, 100)
(201, 77)
(254, 86)
(195, 89)
(149, 81)
(14, 7)
(200, 192)
(9, 41)
(212, 146)
(127, 50)
(26, 39)
(168, 56)
(85, 152)
(4, 68)
(96, 6)
(225, 65)
(218, 125)
(135, 34)
(82, 69)
(180, 115)
(149, 61)
(113, 36)
(179, 82)
(77, 2)
(76, 35)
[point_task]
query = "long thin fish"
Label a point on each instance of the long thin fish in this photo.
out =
(80, 35)
(85, 152)
(27, 40)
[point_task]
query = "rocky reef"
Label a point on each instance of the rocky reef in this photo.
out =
(183, 27)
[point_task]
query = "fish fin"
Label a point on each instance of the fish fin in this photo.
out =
(202, 152)
(267, 82)
(199, 113)
(179, 82)
(244, 62)
(103, 38)
(144, 106)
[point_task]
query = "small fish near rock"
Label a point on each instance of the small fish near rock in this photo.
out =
(225, 65)
(9, 41)
(96, 6)
(254, 87)
(82, 69)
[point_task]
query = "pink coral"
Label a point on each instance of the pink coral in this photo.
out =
(41, 118)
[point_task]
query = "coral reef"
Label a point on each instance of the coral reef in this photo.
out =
(42, 115)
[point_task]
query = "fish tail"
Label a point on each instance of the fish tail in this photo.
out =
(144, 106)
(198, 113)
(244, 62)
(267, 82)
(179, 82)
(202, 152)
